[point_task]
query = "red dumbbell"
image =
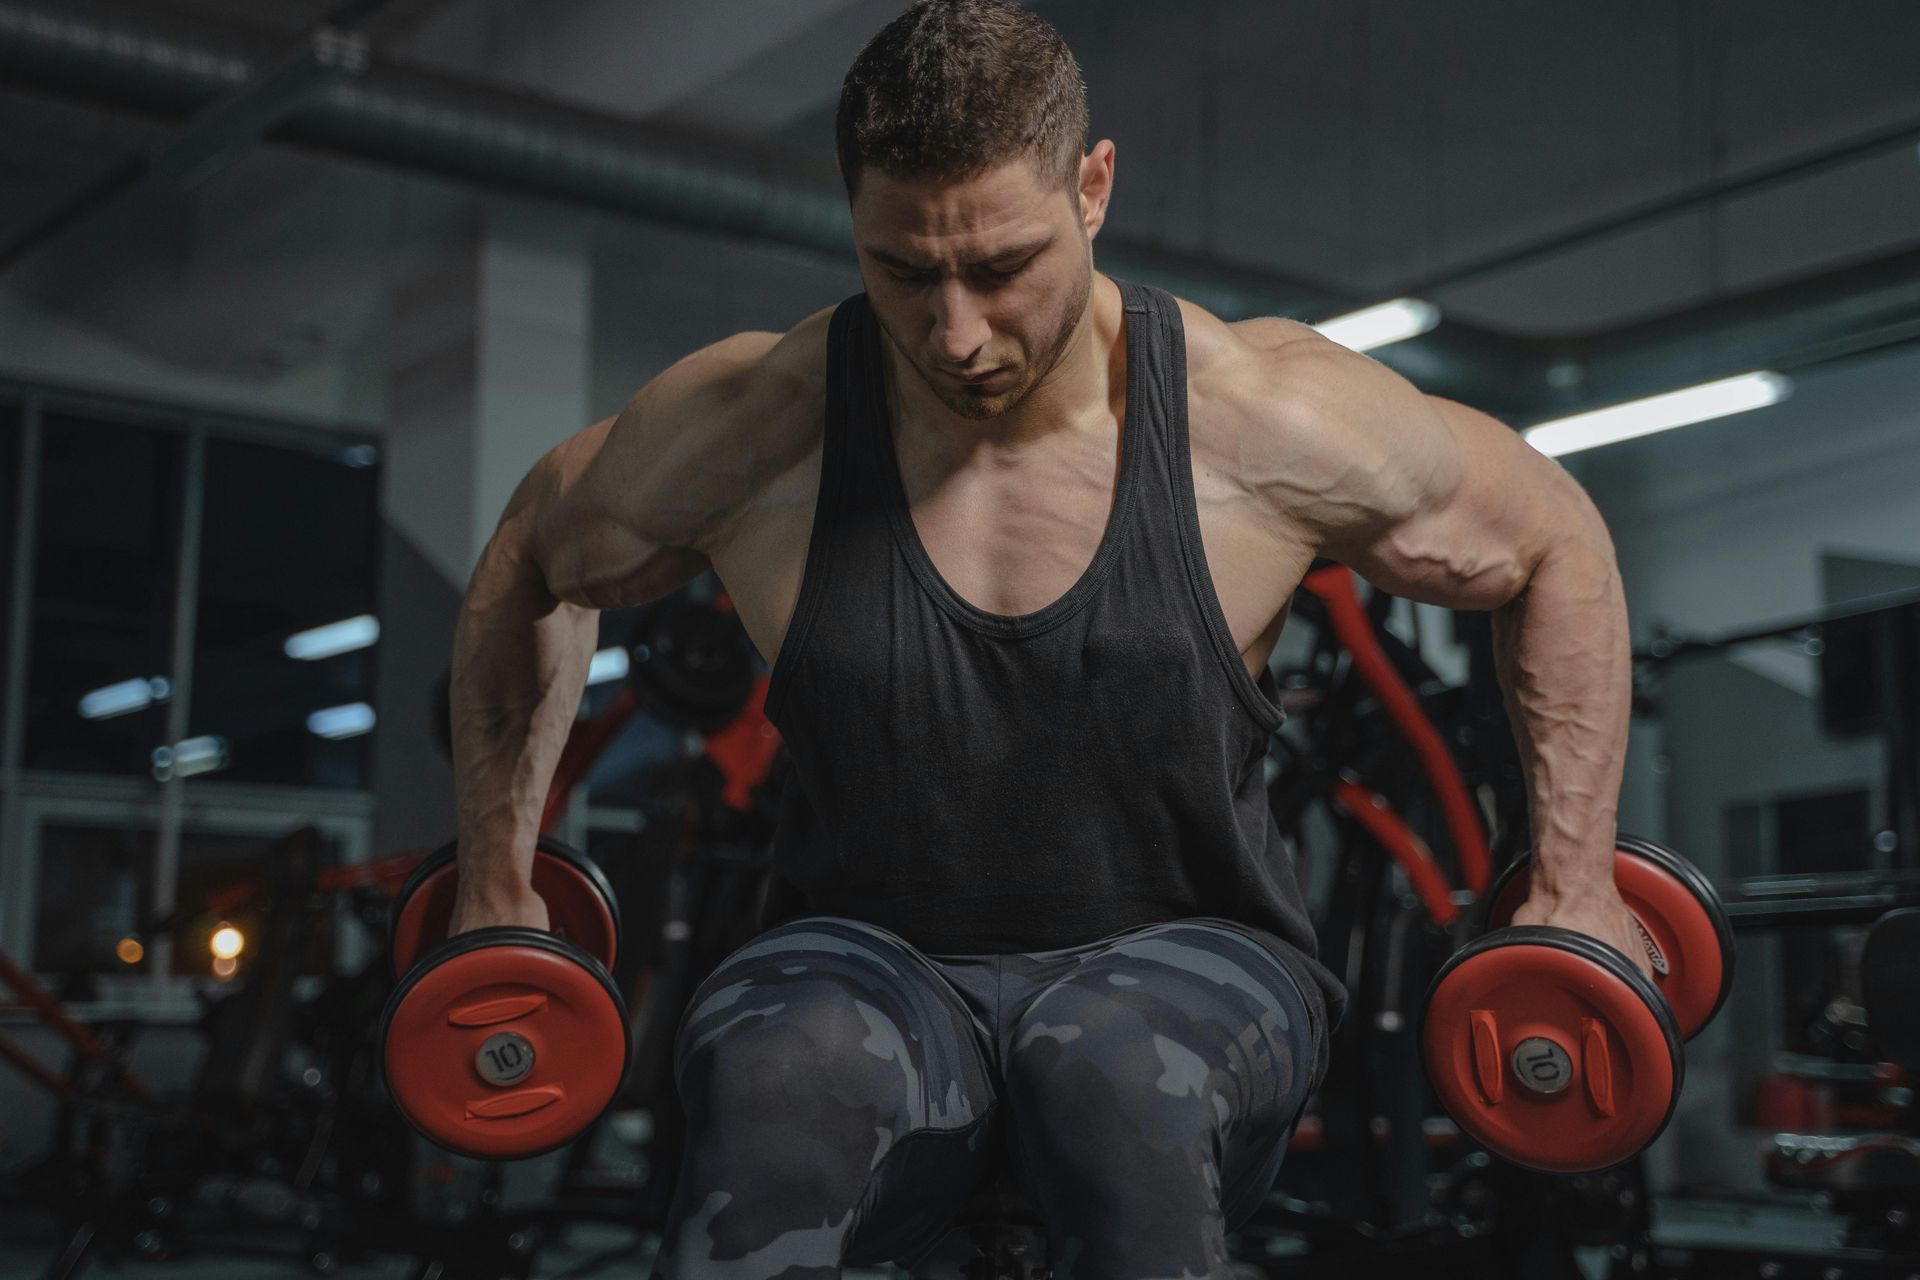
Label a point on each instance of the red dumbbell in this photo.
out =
(1551, 1048)
(505, 1042)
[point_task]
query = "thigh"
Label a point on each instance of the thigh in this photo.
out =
(833, 1038)
(1181, 1050)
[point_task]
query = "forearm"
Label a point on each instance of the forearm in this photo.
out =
(520, 658)
(1562, 652)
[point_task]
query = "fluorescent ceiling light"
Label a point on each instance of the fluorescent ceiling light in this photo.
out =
(607, 664)
(348, 721)
(1658, 413)
(1372, 327)
(336, 637)
(189, 756)
(125, 697)
(199, 755)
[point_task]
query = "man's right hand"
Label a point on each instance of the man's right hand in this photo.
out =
(526, 909)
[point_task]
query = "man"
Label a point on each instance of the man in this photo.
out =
(1019, 540)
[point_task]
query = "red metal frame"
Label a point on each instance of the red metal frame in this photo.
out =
(1371, 810)
(51, 1012)
(1334, 585)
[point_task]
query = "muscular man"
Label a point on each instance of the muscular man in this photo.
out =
(1018, 539)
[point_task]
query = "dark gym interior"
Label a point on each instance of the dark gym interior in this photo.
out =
(294, 294)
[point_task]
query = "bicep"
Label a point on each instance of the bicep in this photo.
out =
(1447, 505)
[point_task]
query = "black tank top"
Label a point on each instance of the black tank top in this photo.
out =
(984, 783)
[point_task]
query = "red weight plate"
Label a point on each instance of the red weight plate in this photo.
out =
(1689, 924)
(549, 1030)
(1491, 1010)
(579, 904)
(1508, 892)
(1691, 948)
(1684, 941)
(421, 910)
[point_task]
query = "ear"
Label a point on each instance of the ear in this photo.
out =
(1096, 186)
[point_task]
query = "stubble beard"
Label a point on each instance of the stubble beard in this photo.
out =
(980, 408)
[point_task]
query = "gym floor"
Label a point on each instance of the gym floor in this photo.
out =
(592, 1251)
(585, 1251)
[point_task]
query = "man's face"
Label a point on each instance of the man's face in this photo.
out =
(989, 274)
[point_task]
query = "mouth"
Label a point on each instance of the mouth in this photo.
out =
(978, 378)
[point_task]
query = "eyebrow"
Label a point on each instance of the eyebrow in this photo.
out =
(1005, 255)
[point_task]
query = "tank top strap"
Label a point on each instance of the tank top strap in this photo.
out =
(1169, 503)
(1161, 383)
(859, 413)
(839, 456)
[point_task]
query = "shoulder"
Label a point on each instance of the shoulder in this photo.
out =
(1310, 430)
(755, 399)
(693, 447)
(793, 365)
(746, 384)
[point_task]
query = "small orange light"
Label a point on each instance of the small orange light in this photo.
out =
(224, 967)
(130, 951)
(227, 942)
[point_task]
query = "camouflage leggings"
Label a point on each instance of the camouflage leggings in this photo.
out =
(845, 1093)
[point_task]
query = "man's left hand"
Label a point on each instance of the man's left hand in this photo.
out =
(1600, 914)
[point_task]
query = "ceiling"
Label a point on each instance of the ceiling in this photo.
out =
(1368, 143)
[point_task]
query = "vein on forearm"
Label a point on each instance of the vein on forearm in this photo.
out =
(1561, 651)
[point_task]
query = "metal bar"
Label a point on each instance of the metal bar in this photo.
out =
(1900, 724)
(186, 599)
(1672, 648)
(352, 948)
(26, 515)
(611, 818)
(208, 795)
(574, 824)
(55, 1016)
(15, 908)
(220, 133)
(33, 1068)
(211, 140)
(1899, 135)
(1857, 909)
(312, 435)
(49, 1010)
(1760, 902)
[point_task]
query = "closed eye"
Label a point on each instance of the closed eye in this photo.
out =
(926, 277)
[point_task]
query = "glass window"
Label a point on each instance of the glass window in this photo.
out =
(285, 636)
(96, 888)
(94, 914)
(103, 594)
(223, 883)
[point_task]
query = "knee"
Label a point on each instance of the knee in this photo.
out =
(797, 1085)
(816, 1055)
(1082, 1068)
(774, 1048)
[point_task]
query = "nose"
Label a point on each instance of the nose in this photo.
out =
(959, 323)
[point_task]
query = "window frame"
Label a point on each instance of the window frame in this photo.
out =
(30, 799)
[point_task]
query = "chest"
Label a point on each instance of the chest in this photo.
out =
(1011, 538)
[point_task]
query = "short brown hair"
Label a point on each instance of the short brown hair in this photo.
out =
(951, 88)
